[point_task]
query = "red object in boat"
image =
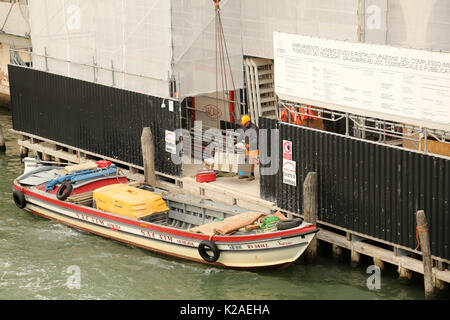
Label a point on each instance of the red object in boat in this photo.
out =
(205, 176)
(103, 163)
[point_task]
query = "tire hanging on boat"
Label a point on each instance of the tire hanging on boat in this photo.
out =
(208, 245)
(288, 224)
(19, 199)
(64, 190)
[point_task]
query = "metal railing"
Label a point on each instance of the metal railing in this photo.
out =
(95, 67)
(383, 128)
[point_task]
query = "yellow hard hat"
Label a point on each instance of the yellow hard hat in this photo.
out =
(245, 119)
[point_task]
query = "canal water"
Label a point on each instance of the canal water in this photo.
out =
(42, 259)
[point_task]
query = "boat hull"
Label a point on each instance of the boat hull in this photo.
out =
(244, 252)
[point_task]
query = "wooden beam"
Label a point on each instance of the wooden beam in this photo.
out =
(382, 254)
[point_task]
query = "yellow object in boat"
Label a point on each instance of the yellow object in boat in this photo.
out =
(128, 201)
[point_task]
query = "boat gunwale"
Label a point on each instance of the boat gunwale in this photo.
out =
(282, 234)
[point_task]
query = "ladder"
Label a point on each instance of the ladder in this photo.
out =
(260, 88)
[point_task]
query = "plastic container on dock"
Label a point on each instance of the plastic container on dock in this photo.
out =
(205, 175)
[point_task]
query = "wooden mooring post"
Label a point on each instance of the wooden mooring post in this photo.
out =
(23, 152)
(355, 256)
(424, 241)
(310, 207)
(2, 140)
(148, 156)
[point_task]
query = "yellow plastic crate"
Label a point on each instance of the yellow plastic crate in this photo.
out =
(128, 201)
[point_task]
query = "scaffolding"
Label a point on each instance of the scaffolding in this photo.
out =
(388, 132)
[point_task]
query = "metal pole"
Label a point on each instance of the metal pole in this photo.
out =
(425, 143)
(112, 74)
(90, 66)
(46, 59)
(346, 125)
(93, 68)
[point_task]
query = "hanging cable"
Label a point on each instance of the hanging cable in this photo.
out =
(222, 56)
(7, 16)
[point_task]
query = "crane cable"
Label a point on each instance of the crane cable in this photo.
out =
(7, 16)
(221, 54)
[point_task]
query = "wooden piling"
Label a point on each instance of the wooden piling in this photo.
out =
(379, 263)
(2, 140)
(424, 241)
(441, 285)
(404, 273)
(23, 152)
(310, 207)
(337, 252)
(46, 157)
(57, 148)
(355, 257)
(148, 156)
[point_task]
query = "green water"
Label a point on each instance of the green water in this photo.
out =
(36, 255)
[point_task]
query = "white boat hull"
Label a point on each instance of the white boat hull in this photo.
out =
(264, 251)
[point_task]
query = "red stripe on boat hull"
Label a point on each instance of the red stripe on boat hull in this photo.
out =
(267, 236)
(166, 253)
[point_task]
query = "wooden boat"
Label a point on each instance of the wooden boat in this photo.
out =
(170, 233)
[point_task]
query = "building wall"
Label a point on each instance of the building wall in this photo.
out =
(151, 43)
(419, 24)
(4, 78)
(332, 19)
(14, 17)
(14, 32)
(123, 44)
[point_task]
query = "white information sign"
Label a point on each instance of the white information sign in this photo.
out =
(170, 138)
(398, 84)
(290, 172)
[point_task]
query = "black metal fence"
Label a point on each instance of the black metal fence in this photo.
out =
(92, 117)
(366, 187)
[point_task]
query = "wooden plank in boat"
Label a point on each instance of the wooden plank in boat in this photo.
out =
(192, 209)
(200, 211)
(207, 204)
(195, 220)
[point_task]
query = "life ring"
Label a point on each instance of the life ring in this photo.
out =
(64, 190)
(19, 199)
(208, 245)
(288, 224)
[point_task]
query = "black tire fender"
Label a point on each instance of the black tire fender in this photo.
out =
(208, 245)
(19, 199)
(288, 224)
(64, 190)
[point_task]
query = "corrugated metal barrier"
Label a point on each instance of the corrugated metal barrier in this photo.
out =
(366, 187)
(92, 117)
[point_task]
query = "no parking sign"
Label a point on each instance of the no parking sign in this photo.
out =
(287, 150)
